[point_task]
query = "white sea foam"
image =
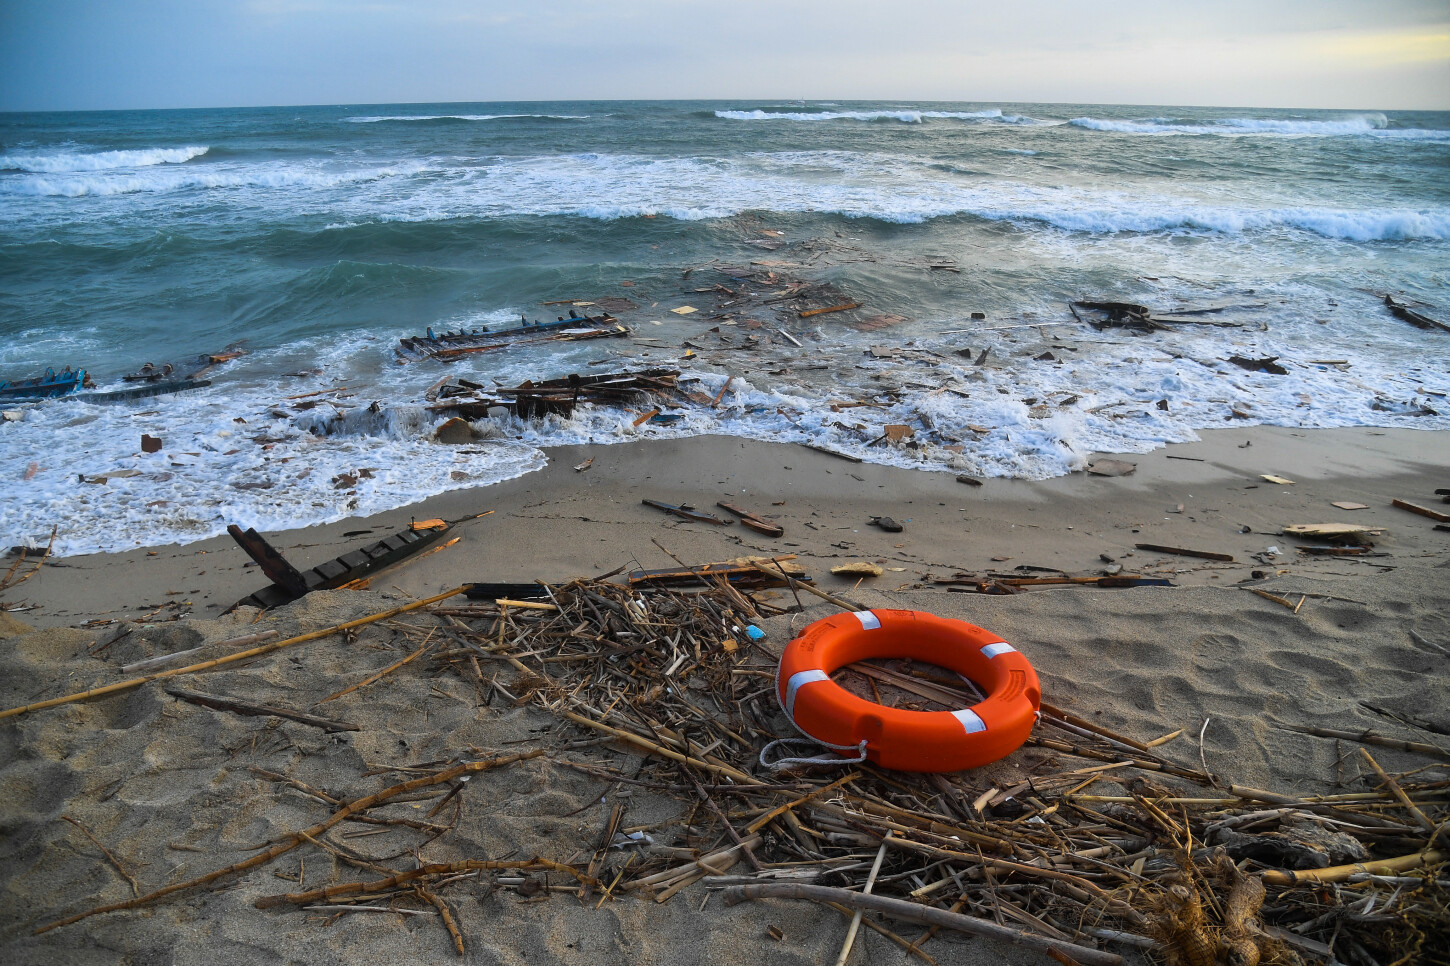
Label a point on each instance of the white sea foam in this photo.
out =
(63, 162)
(282, 467)
(859, 185)
(1360, 124)
(220, 176)
(904, 116)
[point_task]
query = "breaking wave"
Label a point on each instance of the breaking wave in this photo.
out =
(102, 184)
(464, 117)
(1358, 124)
(905, 117)
(69, 161)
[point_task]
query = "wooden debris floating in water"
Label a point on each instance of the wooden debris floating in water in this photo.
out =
(557, 397)
(1401, 311)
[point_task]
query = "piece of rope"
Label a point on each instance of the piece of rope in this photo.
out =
(792, 762)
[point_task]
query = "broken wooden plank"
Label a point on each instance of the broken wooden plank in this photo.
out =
(1423, 511)
(1407, 314)
(832, 452)
(353, 566)
(686, 512)
(1332, 532)
(221, 703)
(748, 519)
(1184, 552)
(1111, 468)
(843, 307)
(277, 569)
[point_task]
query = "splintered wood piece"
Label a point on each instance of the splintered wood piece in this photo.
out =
(1281, 480)
(1332, 532)
(1423, 511)
(1111, 468)
(859, 568)
(843, 307)
(1183, 552)
(1281, 601)
(277, 569)
(1349, 505)
(581, 467)
(687, 513)
(749, 519)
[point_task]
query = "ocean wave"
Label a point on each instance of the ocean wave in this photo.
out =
(904, 116)
(607, 187)
(64, 162)
(102, 184)
(464, 117)
(1359, 124)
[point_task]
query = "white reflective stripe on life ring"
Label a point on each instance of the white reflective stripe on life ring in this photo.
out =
(869, 621)
(970, 721)
(797, 680)
(1001, 647)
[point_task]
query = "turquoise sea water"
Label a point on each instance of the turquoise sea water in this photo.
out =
(321, 235)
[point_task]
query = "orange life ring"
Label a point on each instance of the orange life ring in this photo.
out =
(926, 741)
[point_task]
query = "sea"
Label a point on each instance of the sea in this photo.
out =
(315, 238)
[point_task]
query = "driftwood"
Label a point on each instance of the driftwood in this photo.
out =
(1182, 552)
(221, 703)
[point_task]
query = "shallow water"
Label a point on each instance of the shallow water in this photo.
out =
(322, 235)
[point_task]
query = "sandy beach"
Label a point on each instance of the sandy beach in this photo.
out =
(171, 788)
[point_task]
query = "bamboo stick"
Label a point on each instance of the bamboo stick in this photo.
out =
(1399, 793)
(1338, 873)
(916, 912)
(379, 675)
(230, 658)
(1369, 738)
(856, 916)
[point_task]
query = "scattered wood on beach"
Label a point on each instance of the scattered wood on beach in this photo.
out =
(1161, 855)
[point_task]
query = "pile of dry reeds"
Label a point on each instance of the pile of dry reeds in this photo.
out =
(1124, 849)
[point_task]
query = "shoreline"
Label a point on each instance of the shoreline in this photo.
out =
(555, 523)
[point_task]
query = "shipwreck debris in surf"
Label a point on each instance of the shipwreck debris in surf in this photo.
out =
(1403, 312)
(450, 346)
(556, 397)
(1140, 318)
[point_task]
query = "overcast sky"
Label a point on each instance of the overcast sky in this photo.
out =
(1352, 54)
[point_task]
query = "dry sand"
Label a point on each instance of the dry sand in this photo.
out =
(166, 785)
